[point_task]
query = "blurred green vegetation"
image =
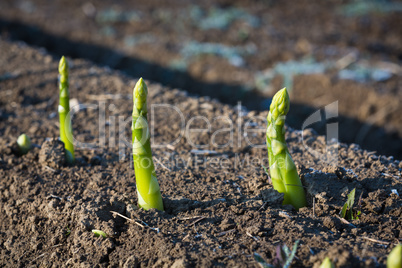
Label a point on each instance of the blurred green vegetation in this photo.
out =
(364, 7)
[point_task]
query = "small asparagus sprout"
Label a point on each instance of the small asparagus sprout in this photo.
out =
(66, 133)
(99, 233)
(327, 263)
(284, 257)
(149, 195)
(24, 144)
(394, 259)
(347, 211)
(285, 178)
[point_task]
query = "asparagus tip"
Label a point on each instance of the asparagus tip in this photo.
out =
(63, 65)
(280, 103)
(395, 257)
(140, 89)
(140, 94)
(99, 233)
(327, 263)
(24, 143)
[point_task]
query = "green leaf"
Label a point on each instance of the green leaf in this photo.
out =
(357, 215)
(347, 211)
(351, 198)
(286, 250)
(284, 257)
(261, 261)
(68, 231)
(292, 255)
(344, 209)
(265, 169)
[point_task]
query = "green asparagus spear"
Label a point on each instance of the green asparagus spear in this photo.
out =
(24, 144)
(66, 133)
(99, 233)
(394, 259)
(327, 263)
(285, 178)
(149, 195)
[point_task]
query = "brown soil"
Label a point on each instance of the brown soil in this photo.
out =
(147, 38)
(220, 206)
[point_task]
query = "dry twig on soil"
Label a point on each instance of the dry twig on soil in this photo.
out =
(143, 225)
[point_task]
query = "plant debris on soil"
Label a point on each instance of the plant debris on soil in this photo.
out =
(220, 208)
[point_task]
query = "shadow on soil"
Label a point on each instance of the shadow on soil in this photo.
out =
(350, 130)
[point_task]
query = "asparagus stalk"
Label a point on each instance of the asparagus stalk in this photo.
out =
(66, 133)
(24, 144)
(285, 178)
(394, 259)
(149, 195)
(327, 263)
